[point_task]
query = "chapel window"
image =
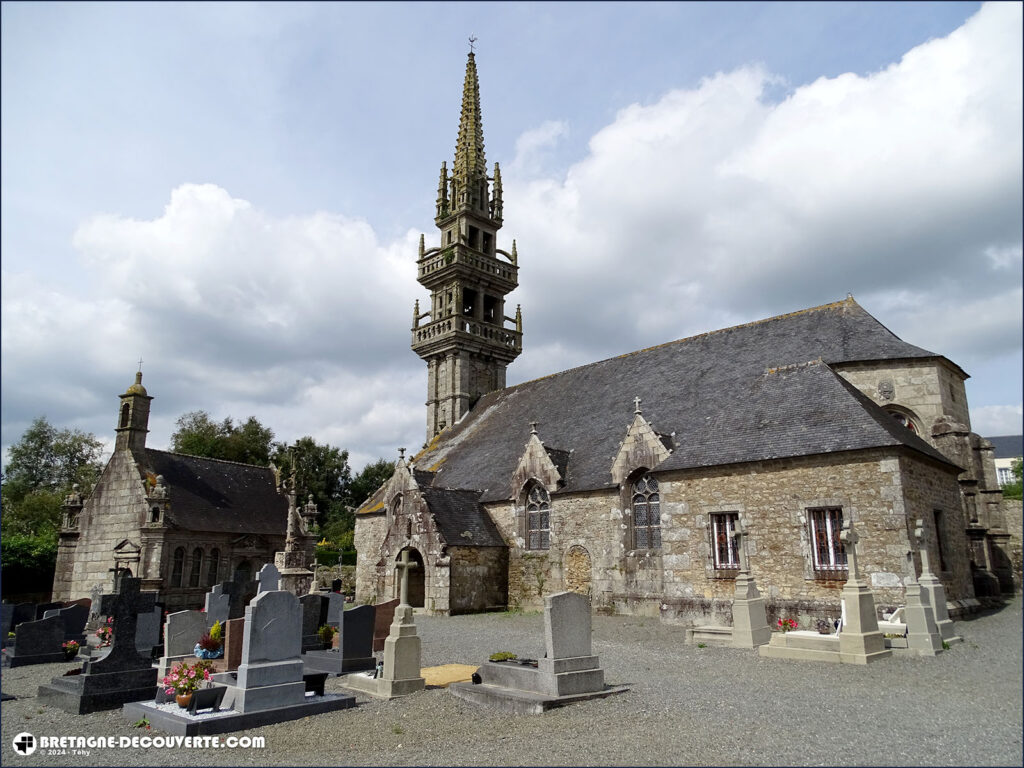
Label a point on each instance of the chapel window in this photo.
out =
(646, 508)
(178, 567)
(905, 420)
(212, 567)
(538, 518)
(723, 538)
(826, 547)
(197, 567)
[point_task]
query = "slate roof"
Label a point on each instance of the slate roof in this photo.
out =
(463, 522)
(220, 496)
(741, 394)
(1007, 446)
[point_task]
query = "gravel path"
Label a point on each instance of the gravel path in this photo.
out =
(686, 706)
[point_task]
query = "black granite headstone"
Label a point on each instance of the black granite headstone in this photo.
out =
(38, 642)
(6, 618)
(314, 616)
(42, 608)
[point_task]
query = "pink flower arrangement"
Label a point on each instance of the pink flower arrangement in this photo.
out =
(785, 625)
(104, 633)
(186, 678)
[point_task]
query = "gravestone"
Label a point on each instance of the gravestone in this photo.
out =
(384, 615)
(269, 579)
(75, 616)
(234, 637)
(335, 608)
(228, 599)
(95, 620)
(922, 634)
(400, 675)
(23, 612)
(270, 673)
(38, 642)
(335, 585)
(122, 675)
(6, 619)
(314, 616)
(933, 591)
(354, 652)
(42, 608)
(147, 630)
(568, 672)
(749, 619)
(181, 633)
(860, 642)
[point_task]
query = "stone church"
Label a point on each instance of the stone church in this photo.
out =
(626, 478)
(180, 523)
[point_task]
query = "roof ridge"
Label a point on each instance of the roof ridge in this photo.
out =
(209, 458)
(849, 301)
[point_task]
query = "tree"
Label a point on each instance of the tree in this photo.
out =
(42, 468)
(1014, 490)
(198, 435)
(320, 470)
(339, 527)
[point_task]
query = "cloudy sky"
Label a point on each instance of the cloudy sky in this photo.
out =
(235, 192)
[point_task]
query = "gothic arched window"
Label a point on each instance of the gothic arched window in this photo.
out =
(197, 567)
(178, 567)
(212, 566)
(538, 518)
(645, 505)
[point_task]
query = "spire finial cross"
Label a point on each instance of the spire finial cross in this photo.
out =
(472, 39)
(401, 454)
(533, 427)
(636, 403)
(140, 363)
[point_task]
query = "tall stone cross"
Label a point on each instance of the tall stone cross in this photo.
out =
(404, 565)
(922, 546)
(124, 606)
(739, 537)
(850, 538)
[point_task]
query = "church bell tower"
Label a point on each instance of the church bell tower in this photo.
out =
(463, 336)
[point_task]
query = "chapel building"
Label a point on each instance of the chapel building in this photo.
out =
(626, 479)
(180, 523)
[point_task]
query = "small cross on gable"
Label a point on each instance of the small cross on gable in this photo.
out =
(636, 404)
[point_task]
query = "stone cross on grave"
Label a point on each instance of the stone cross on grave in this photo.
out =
(739, 536)
(403, 566)
(124, 606)
(922, 546)
(850, 538)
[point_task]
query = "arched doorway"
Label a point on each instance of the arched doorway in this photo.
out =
(417, 579)
(577, 570)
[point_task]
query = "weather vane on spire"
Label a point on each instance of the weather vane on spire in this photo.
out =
(472, 39)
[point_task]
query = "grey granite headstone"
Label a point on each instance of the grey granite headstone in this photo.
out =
(273, 623)
(335, 608)
(269, 579)
(218, 604)
(182, 631)
(567, 625)
(38, 642)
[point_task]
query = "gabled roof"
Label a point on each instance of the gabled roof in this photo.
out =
(1007, 446)
(756, 391)
(461, 519)
(222, 496)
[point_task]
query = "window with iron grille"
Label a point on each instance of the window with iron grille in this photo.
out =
(723, 540)
(646, 507)
(826, 547)
(197, 567)
(538, 518)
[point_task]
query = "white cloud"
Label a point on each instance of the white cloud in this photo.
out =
(997, 420)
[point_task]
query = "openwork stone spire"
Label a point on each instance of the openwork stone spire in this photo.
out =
(469, 173)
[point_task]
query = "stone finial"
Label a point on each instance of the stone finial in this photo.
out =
(533, 427)
(416, 309)
(423, 245)
(636, 405)
(519, 312)
(515, 253)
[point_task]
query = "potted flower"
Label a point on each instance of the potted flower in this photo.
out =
(185, 678)
(106, 632)
(785, 625)
(70, 649)
(326, 633)
(211, 645)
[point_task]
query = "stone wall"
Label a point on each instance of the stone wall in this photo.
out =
(114, 512)
(1013, 519)
(929, 389)
(479, 579)
(369, 533)
(881, 491)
